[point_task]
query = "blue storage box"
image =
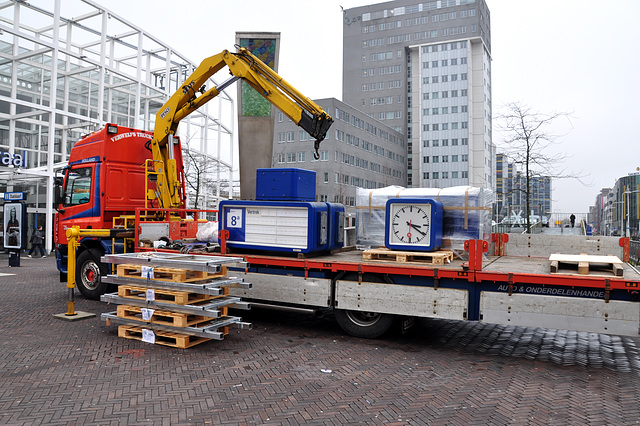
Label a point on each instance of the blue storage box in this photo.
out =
(285, 184)
(285, 226)
(336, 226)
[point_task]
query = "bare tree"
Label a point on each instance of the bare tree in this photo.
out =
(527, 140)
(197, 166)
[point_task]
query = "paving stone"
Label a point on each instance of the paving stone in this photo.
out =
(442, 372)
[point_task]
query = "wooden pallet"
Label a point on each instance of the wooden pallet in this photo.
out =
(175, 319)
(434, 257)
(166, 338)
(584, 264)
(169, 274)
(167, 296)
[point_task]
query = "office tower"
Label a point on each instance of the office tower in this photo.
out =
(424, 69)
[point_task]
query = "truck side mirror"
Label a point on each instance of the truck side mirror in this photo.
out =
(57, 190)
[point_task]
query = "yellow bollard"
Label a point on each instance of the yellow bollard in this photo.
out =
(72, 238)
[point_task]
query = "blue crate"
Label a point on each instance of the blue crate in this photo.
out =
(285, 184)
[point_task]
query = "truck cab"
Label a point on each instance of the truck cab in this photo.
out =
(104, 180)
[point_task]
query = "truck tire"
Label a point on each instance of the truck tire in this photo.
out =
(88, 274)
(366, 325)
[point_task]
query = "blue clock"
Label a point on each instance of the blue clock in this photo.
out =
(413, 224)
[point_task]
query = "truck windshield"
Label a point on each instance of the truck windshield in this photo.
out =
(78, 187)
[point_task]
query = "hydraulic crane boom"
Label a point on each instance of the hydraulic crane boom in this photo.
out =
(192, 95)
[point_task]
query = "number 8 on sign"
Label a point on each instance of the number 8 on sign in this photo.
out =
(234, 218)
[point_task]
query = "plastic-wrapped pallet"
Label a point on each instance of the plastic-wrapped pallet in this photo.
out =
(467, 213)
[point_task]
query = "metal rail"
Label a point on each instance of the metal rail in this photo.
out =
(210, 331)
(212, 287)
(209, 309)
(191, 262)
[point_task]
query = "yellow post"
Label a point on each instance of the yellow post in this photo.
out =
(72, 238)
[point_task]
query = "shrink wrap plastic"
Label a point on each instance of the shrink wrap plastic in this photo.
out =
(467, 214)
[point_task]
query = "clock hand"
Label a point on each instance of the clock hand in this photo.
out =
(421, 233)
(415, 226)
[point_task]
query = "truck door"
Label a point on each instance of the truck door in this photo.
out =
(80, 205)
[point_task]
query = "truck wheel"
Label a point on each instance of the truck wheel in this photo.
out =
(88, 272)
(367, 325)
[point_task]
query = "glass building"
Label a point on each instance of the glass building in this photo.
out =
(68, 67)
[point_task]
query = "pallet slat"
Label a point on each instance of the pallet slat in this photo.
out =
(167, 296)
(169, 274)
(166, 338)
(434, 257)
(175, 319)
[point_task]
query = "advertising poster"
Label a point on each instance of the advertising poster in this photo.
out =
(13, 225)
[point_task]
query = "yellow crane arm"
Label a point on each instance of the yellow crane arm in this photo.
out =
(193, 94)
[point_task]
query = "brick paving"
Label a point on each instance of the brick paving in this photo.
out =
(297, 369)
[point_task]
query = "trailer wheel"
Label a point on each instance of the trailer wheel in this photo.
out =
(367, 325)
(88, 274)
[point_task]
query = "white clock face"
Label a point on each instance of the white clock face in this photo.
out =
(410, 224)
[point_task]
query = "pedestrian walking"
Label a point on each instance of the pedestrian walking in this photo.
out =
(36, 242)
(572, 218)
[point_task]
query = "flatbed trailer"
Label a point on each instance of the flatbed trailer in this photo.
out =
(368, 296)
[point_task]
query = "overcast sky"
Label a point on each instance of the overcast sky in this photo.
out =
(577, 56)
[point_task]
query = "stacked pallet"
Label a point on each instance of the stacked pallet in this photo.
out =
(171, 300)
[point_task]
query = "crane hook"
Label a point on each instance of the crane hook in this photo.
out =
(316, 145)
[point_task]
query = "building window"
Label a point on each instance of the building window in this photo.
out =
(434, 79)
(291, 157)
(445, 175)
(445, 142)
(326, 177)
(281, 158)
(324, 155)
(425, 175)
(425, 144)
(454, 175)
(465, 175)
(445, 158)
(435, 159)
(436, 175)
(464, 125)
(435, 126)
(454, 142)
(302, 156)
(425, 159)
(436, 142)
(280, 117)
